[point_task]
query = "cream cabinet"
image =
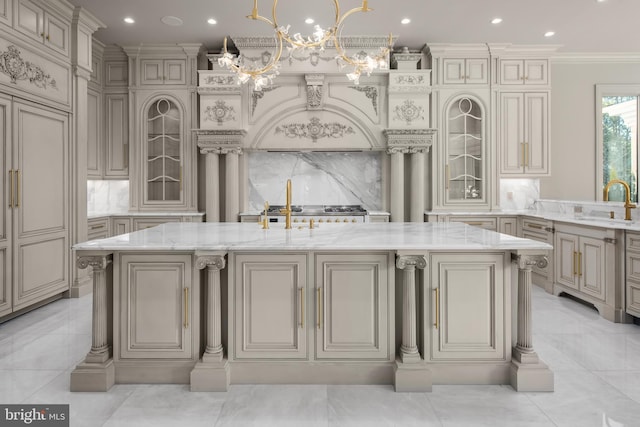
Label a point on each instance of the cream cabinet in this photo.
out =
(270, 295)
(116, 136)
(157, 308)
(120, 226)
(6, 16)
(543, 231)
(465, 71)
(34, 20)
(352, 316)
(34, 225)
(588, 266)
(98, 228)
(94, 134)
(163, 72)
(465, 309)
(632, 291)
(508, 225)
(524, 72)
(524, 133)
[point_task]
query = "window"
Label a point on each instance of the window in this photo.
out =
(617, 138)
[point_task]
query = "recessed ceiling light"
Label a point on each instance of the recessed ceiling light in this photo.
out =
(496, 20)
(600, 1)
(211, 21)
(309, 21)
(549, 33)
(405, 21)
(129, 20)
(173, 21)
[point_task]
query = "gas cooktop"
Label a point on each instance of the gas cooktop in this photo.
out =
(319, 210)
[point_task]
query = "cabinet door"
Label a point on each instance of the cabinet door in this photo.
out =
(536, 72)
(352, 312)
(40, 224)
(508, 226)
(29, 19)
(270, 293)
(121, 226)
(511, 72)
(511, 133)
(467, 317)
(591, 267)
(157, 306)
(175, 72)
(5, 12)
(94, 134)
(566, 259)
(152, 71)
(5, 212)
(117, 135)
(454, 71)
(56, 34)
(536, 133)
(476, 71)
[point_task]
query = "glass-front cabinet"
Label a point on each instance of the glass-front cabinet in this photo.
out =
(465, 154)
(163, 151)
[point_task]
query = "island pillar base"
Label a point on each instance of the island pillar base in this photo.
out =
(412, 377)
(210, 376)
(531, 376)
(93, 376)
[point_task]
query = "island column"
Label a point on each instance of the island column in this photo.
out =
(211, 373)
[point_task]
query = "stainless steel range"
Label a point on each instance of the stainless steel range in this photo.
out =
(330, 214)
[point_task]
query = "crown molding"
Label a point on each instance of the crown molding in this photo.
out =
(596, 57)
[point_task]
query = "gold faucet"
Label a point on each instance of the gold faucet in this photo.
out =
(287, 209)
(627, 198)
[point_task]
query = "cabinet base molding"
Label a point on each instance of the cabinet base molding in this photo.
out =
(412, 377)
(612, 314)
(210, 376)
(93, 376)
(157, 372)
(359, 373)
(81, 287)
(531, 376)
(480, 373)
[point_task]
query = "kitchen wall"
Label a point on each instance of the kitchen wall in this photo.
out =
(573, 128)
(318, 178)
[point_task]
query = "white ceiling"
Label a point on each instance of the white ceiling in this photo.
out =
(580, 25)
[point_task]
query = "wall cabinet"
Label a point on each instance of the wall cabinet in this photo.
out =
(158, 308)
(466, 318)
(163, 72)
(524, 133)
(34, 224)
(95, 168)
(465, 71)
(278, 311)
(34, 21)
(524, 72)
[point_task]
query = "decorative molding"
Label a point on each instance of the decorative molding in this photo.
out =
(314, 130)
(220, 113)
(313, 57)
(370, 92)
(408, 112)
(409, 141)
(259, 94)
(221, 141)
(347, 42)
(216, 262)
(98, 262)
(409, 79)
(13, 65)
(411, 262)
(315, 84)
(218, 79)
(204, 90)
(525, 262)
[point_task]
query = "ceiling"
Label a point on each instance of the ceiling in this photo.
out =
(580, 25)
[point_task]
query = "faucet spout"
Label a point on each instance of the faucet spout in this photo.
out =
(287, 209)
(627, 198)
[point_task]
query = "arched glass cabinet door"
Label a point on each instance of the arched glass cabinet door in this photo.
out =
(465, 152)
(163, 152)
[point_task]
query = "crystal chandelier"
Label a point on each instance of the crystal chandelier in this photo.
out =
(359, 64)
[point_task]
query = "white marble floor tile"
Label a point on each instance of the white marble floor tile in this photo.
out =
(490, 406)
(275, 405)
(167, 405)
(52, 351)
(627, 382)
(552, 356)
(16, 385)
(378, 406)
(582, 399)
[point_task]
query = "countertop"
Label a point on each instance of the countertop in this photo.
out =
(362, 236)
(92, 215)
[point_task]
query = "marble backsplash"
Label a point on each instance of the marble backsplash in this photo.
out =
(318, 178)
(107, 196)
(519, 194)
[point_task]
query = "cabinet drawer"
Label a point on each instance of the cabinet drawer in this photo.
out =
(98, 228)
(633, 298)
(488, 223)
(142, 223)
(633, 242)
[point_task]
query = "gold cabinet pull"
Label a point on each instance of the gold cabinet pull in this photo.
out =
(536, 226)
(522, 154)
(11, 188)
(579, 264)
(319, 316)
(17, 188)
(436, 323)
(186, 308)
(447, 177)
(526, 154)
(301, 290)
(575, 255)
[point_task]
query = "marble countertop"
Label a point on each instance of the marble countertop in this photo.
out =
(363, 236)
(91, 215)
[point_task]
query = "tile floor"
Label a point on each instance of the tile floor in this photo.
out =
(596, 365)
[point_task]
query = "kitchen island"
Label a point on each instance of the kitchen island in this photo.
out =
(409, 304)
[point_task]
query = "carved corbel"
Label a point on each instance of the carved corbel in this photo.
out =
(315, 83)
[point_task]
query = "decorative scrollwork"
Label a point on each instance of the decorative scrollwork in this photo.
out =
(525, 262)
(409, 111)
(219, 80)
(220, 112)
(216, 262)
(371, 92)
(409, 79)
(259, 94)
(96, 262)
(12, 64)
(315, 130)
(313, 57)
(314, 97)
(411, 262)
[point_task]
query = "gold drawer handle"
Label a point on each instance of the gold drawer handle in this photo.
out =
(437, 291)
(579, 264)
(11, 188)
(536, 226)
(301, 307)
(319, 316)
(186, 308)
(95, 227)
